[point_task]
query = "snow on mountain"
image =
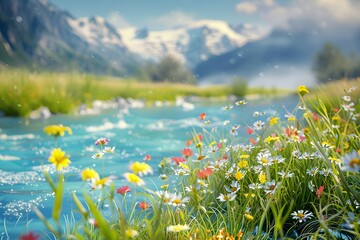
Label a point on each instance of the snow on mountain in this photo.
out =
(191, 44)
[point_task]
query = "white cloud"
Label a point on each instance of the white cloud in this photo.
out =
(324, 13)
(117, 20)
(246, 7)
(170, 20)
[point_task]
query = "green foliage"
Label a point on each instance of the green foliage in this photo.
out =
(239, 87)
(331, 64)
(167, 70)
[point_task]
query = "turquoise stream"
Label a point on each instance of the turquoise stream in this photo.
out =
(158, 131)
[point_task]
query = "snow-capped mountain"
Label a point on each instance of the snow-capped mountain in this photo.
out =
(191, 44)
(37, 33)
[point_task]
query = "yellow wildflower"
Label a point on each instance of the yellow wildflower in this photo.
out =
(262, 178)
(59, 158)
(242, 164)
(273, 121)
(302, 90)
(239, 175)
(133, 178)
(131, 233)
(177, 228)
(89, 173)
(57, 130)
(141, 168)
(249, 217)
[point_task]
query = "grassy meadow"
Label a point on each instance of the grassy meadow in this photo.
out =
(22, 91)
(296, 176)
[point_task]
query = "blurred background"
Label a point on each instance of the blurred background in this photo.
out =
(272, 43)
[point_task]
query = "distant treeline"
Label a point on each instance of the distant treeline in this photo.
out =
(168, 69)
(332, 64)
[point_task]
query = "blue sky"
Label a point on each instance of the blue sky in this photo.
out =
(162, 14)
(154, 13)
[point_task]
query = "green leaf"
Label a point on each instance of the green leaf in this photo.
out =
(58, 199)
(79, 205)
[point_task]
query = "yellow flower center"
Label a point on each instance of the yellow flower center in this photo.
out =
(300, 215)
(177, 201)
(264, 160)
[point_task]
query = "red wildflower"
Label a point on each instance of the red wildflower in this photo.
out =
(187, 152)
(147, 157)
(144, 205)
(178, 160)
(250, 131)
(319, 191)
(102, 141)
(93, 222)
(253, 141)
(123, 190)
(315, 116)
(202, 116)
(199, 137)
(205, 173)
(29, 236)
(188, 142)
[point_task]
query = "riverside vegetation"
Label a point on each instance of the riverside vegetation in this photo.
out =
(295, 177)
(22, 91)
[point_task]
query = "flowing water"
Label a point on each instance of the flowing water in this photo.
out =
(157, 131)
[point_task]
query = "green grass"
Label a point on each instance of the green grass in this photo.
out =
(23, 91)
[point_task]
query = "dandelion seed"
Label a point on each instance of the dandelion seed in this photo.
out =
(302, 215)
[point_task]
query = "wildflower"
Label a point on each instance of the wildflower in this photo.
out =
(205, 173)
(178, 201)
(311, 186)
(346, 98)
(242, 164)
(109, 150)
(133, 178)
(93, 222)
(302, 215)
(239, 175)
(241, 102)
(226, 122)
(144, 205)
(207, 122)
(313, 171)
(249, 217)
(255, 186)
(187, 152)
(227, 198)
(319, 191)
(98, 155)
(181, 172)
(258, 125)
(349, 107)
(284, 174)
(57, 130)
(188, 142)
(302, 90)
(202, 116)
(141, 168)
(165, 186)
(264, 158)
(290, 117)
(123, 190)
(178, 160)
(59, 159)
(270, 187)
(270, 139)
(234, 187)
(249, 130)
(273, 121)
(229, 107)
(351, 161)
(147, 157)
(100, 183)
(88, 174)
(29, 236)
(102, 141)
(131, 233)
(177, 228)
(326, 172)
(262, 177)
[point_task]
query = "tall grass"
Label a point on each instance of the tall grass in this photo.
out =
(23, 91)
(295, 177)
